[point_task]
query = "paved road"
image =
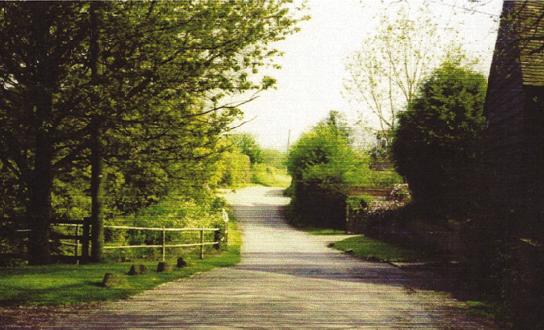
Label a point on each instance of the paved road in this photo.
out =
(287, 278)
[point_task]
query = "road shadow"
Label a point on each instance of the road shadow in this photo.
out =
(337, 266)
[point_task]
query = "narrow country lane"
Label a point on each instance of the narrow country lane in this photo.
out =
(287, 278)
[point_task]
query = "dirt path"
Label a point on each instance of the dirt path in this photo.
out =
(287, 278)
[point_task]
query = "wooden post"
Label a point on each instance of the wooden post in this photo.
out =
(76, 241)
(163, 243)
(201, 244)
(217, 238)
(347, 228)
(226, 224)
(85, 240)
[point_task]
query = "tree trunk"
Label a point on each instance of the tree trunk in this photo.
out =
(39, 210)
(97, 221)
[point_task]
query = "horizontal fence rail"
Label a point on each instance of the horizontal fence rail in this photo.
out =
(83, 238)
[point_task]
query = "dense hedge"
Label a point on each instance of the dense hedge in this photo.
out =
(437, 140)
(319, 205)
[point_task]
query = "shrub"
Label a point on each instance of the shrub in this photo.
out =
(436, 143)
(400, 193)
(236, 169)
(247, 144)
(321, 163)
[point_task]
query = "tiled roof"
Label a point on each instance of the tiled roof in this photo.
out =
(530, 15)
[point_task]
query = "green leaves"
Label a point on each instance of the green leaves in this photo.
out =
(437, 139)
(323, 154)
(164, 72)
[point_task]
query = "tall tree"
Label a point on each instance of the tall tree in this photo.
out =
(42, 42)
(385, 74)
(96, 145)
(167, 68)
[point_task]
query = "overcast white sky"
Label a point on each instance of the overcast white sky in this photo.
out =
(313, 67)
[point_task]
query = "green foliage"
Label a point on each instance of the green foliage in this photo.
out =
(272, 171)
(270, 176)
(323, 231)
(323, 165)
(358, 203)
(247, 145)
(148, 80)
(436, 143)
(372, 249)
(236, 169)
(274, 158)
(324, 155)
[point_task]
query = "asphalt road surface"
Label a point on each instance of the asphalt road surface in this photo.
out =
(287, 279)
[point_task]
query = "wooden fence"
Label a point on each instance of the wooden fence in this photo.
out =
(82, 231)
(379, 193)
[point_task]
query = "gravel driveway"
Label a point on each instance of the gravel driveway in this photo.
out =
(287, 279)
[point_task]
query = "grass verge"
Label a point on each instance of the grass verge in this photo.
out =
(375, 250)
(482, 309)
(270, 176)
(70, 284)
(323, 231)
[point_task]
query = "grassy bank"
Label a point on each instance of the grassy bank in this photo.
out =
(70, 284)
(270, 176)
(323, 231)
(372, 249)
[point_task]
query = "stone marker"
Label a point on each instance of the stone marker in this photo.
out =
(181, 262)
(137, 270)
(163, 267)
(111, 280)
(142, 269)
(132, 271)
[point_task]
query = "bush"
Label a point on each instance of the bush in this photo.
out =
(319, 205)
(174, 211)
(436, 143)
(321, 163)
(247, 144)
(236, 169)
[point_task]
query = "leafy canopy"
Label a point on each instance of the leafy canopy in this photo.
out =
(436, 143)
(324, 154)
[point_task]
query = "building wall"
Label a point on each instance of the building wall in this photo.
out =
(514, 143)
(505, 136)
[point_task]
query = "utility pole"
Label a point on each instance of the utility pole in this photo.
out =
(288, 140)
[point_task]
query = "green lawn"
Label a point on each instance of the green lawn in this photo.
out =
(70, 284)
(372, 249)
(323, 231)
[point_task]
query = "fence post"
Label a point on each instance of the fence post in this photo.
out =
(226, 224)
(85, 240)
(76, 241)
(217, 239)
(201, 244)
(163, 244)
(347, 229)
